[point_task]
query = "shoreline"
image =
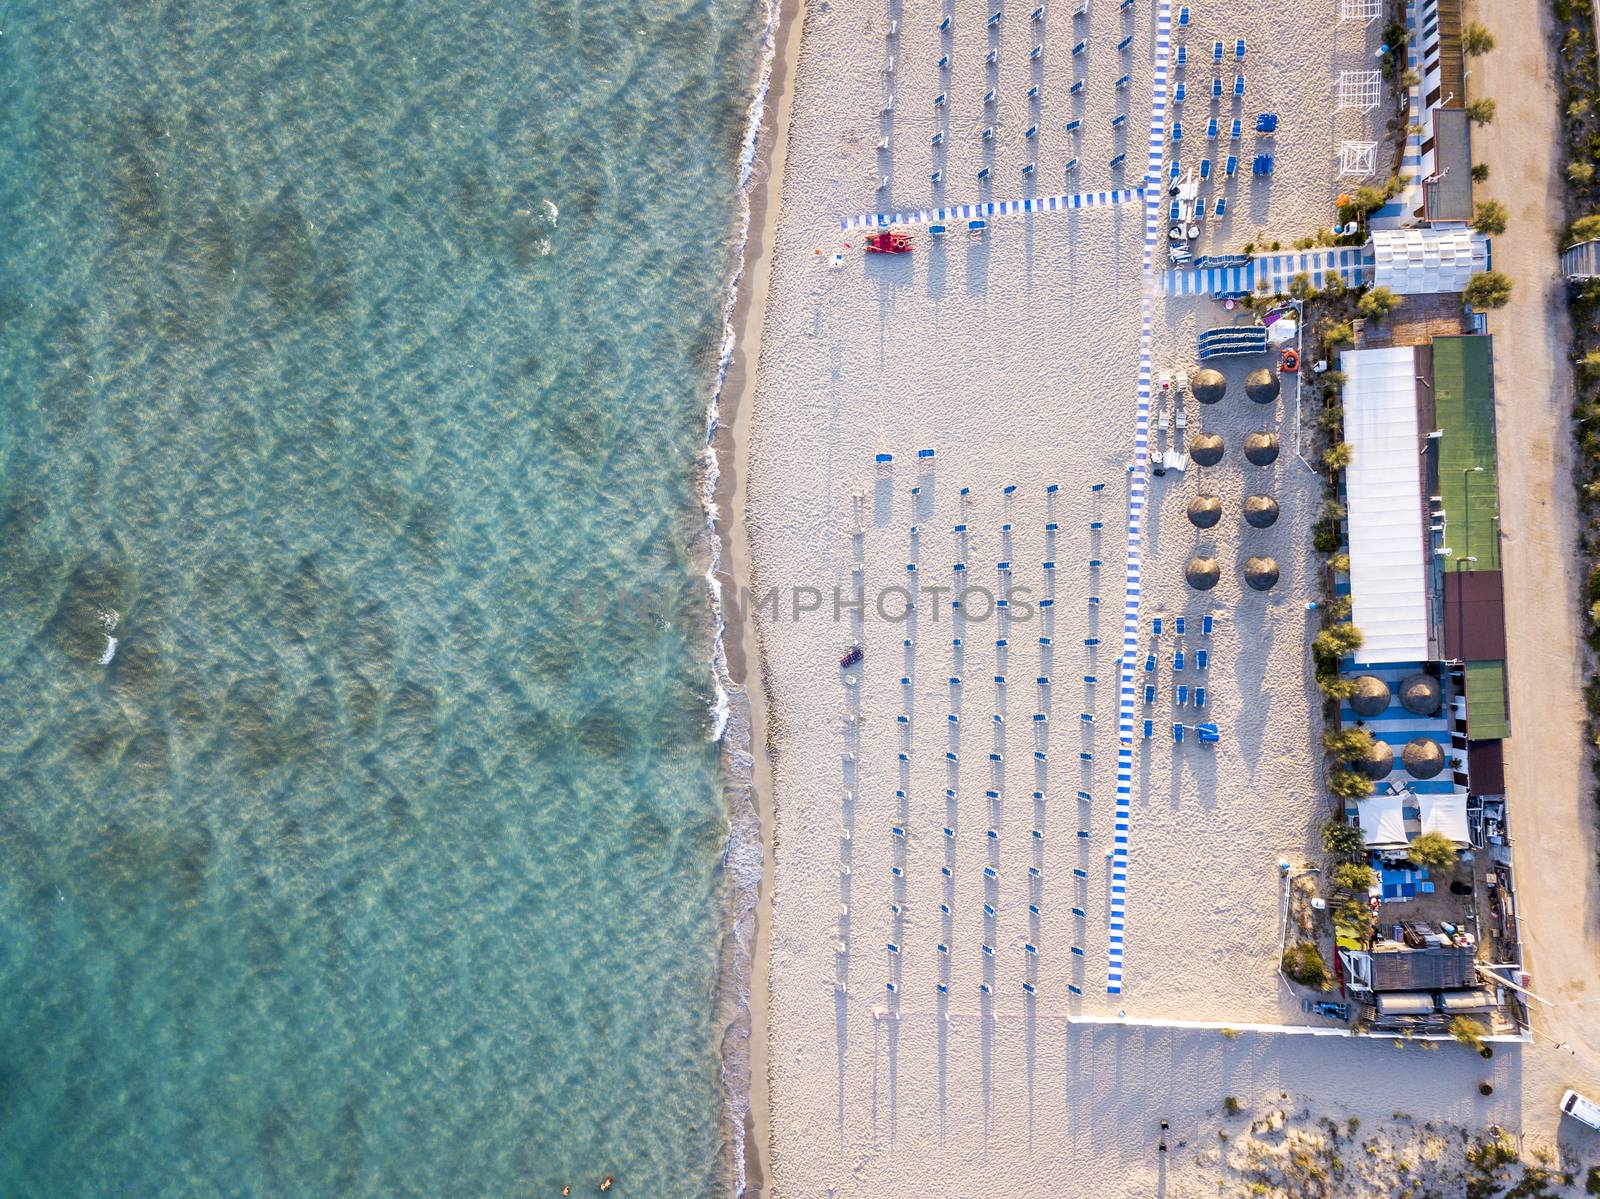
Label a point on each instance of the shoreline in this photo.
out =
(747, 777)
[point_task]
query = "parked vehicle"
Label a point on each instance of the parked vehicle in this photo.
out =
(1582, 1109)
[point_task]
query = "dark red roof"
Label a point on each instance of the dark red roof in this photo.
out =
(1486, 767)
(1474, 616)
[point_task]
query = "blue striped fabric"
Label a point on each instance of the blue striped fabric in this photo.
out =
(1352, 263)
(1065, 202)
(1137, 483)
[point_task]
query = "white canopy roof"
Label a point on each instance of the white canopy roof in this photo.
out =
(1412, 262)
(1446, 814)
(1388, 593)
(1383, 824)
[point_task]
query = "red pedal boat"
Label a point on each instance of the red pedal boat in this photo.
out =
(889, 241)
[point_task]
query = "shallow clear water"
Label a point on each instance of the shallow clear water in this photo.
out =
(372, 863)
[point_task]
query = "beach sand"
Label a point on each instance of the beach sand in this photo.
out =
(1015, 358)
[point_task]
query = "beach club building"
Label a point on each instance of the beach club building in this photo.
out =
(1422, 518)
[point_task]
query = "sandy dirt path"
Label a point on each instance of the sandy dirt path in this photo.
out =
(1547, 774)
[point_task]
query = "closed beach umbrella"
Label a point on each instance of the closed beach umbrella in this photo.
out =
(1420, 694)
(1202, 573)
(1261, 511)
(1208, 385)
(1261, 573)
(1261, 449)
(1261, 386)
(1205, 511)
(1377, 762)
(1422, 758)
(1371, 697)
(1206, 449)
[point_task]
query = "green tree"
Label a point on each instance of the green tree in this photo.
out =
(1338, 333)
(1377, 303)
(1343, 840)
(1489, 217)
(1333, 285)
(1353, 876)
(1336, 687)
(1349, 784)
(1339, 562)
(1481, 112)
(1348, 745)
(1337, 640)
(1586, 228)
(1433, 850)
(1303, 963)
(1487, 289)
(1475, 39)
(1469, 1032)
(1302, 288)
(1338, 457)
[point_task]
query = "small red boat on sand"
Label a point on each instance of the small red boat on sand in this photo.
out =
(889, 241)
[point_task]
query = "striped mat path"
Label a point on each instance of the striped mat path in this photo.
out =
(1138, 481)
(983, 209)
(1352, 263)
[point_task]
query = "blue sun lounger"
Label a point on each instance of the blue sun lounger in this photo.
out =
(1202, 659)
(1076, 87)
(1183, 56)
(1179, 93)
(1205, 168)
(1173, 211)
(1074, 125)
(1079, 48)
(1211, 128)
(1125, 43)
(1072, 165)
(1117, 160)
(1177, 659)
(1266, 122)
(1149, 663)
(1183, 16)
(1216, 88)
(1174, 170)
(1177, 626)
(1231, 167)
(1149, 693)
(1238, 48)
(1238, 85)
(1262, 165)
(1208, 733)
(1121, 119)
(1177, 131)
(1199, 697)
(1177, 733)
(1236, 130)
(1216, 51)
(1222, 205)
(1155, 626)
(1149, 729)
(1182, 697)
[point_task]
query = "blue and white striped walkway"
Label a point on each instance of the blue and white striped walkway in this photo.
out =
(988, 208)
(1351, 263)
(1138, 481)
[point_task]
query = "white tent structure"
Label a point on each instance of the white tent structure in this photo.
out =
(1419, 262)
(1365, 11)
(1383, 484)
(1383, 822)
(1446, 814)
(1360, 89)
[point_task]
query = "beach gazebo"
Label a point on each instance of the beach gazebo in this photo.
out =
(1261, 386)
(1378, 762)
(1371, 696)
(1208, 385)
(1420, 694)
(1261, 449)
(1202, 573)
(1261, 573)
(1205, 511)
(1260, 511)
(1206, 448)
(1422, 757)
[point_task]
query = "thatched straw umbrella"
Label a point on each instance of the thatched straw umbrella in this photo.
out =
(1208, 385)
(1420, 694)
(1371, 696)
(1261, 449)
(1422, 758)
(1261, 573)
(1260, 511)
(1202, 573)
(1205, 511)
(1261, 386)
(1377, 762)
(1206, 449)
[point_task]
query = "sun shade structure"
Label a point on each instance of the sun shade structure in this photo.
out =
(1377, 762)
(1261, 573)
(1202, 573)
(1205, 511)
(1261, 449)
(1383, 821)
(1420, 694)
(1422, 758)
(1371, 696)
(1360, 89)
(1260, 511)
(1208, 385)
(1445, 814)
(1415, 262)
(1383, 488)
(1261, 386)
(1206, 449)
(1357, 160)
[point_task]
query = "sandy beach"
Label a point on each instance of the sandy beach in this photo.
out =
(941, 936)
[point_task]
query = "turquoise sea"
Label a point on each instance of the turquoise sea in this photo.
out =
(353, 355)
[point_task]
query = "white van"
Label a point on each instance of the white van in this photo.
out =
(1579, 1108)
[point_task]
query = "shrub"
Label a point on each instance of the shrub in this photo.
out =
(1339, 562)
(1468, 1031)
(1343, 840)
(1336, 687)
(1325, 538)
(1232, 1106)
(1339, 334)
(1433, 850)
(1378, 303)
(1354, 876)
(1586, 228)
(1302, 288)
(1480, 172)
(1475, 39)
(1349, 784)
(1333, 285)
(1490, 217)
(1487, 289)
(1481, 112)
(1338, 640)
(1338, 457)
(1303, 964)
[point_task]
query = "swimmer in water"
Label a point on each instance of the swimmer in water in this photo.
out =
(566, 1190)
(605, 1184)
